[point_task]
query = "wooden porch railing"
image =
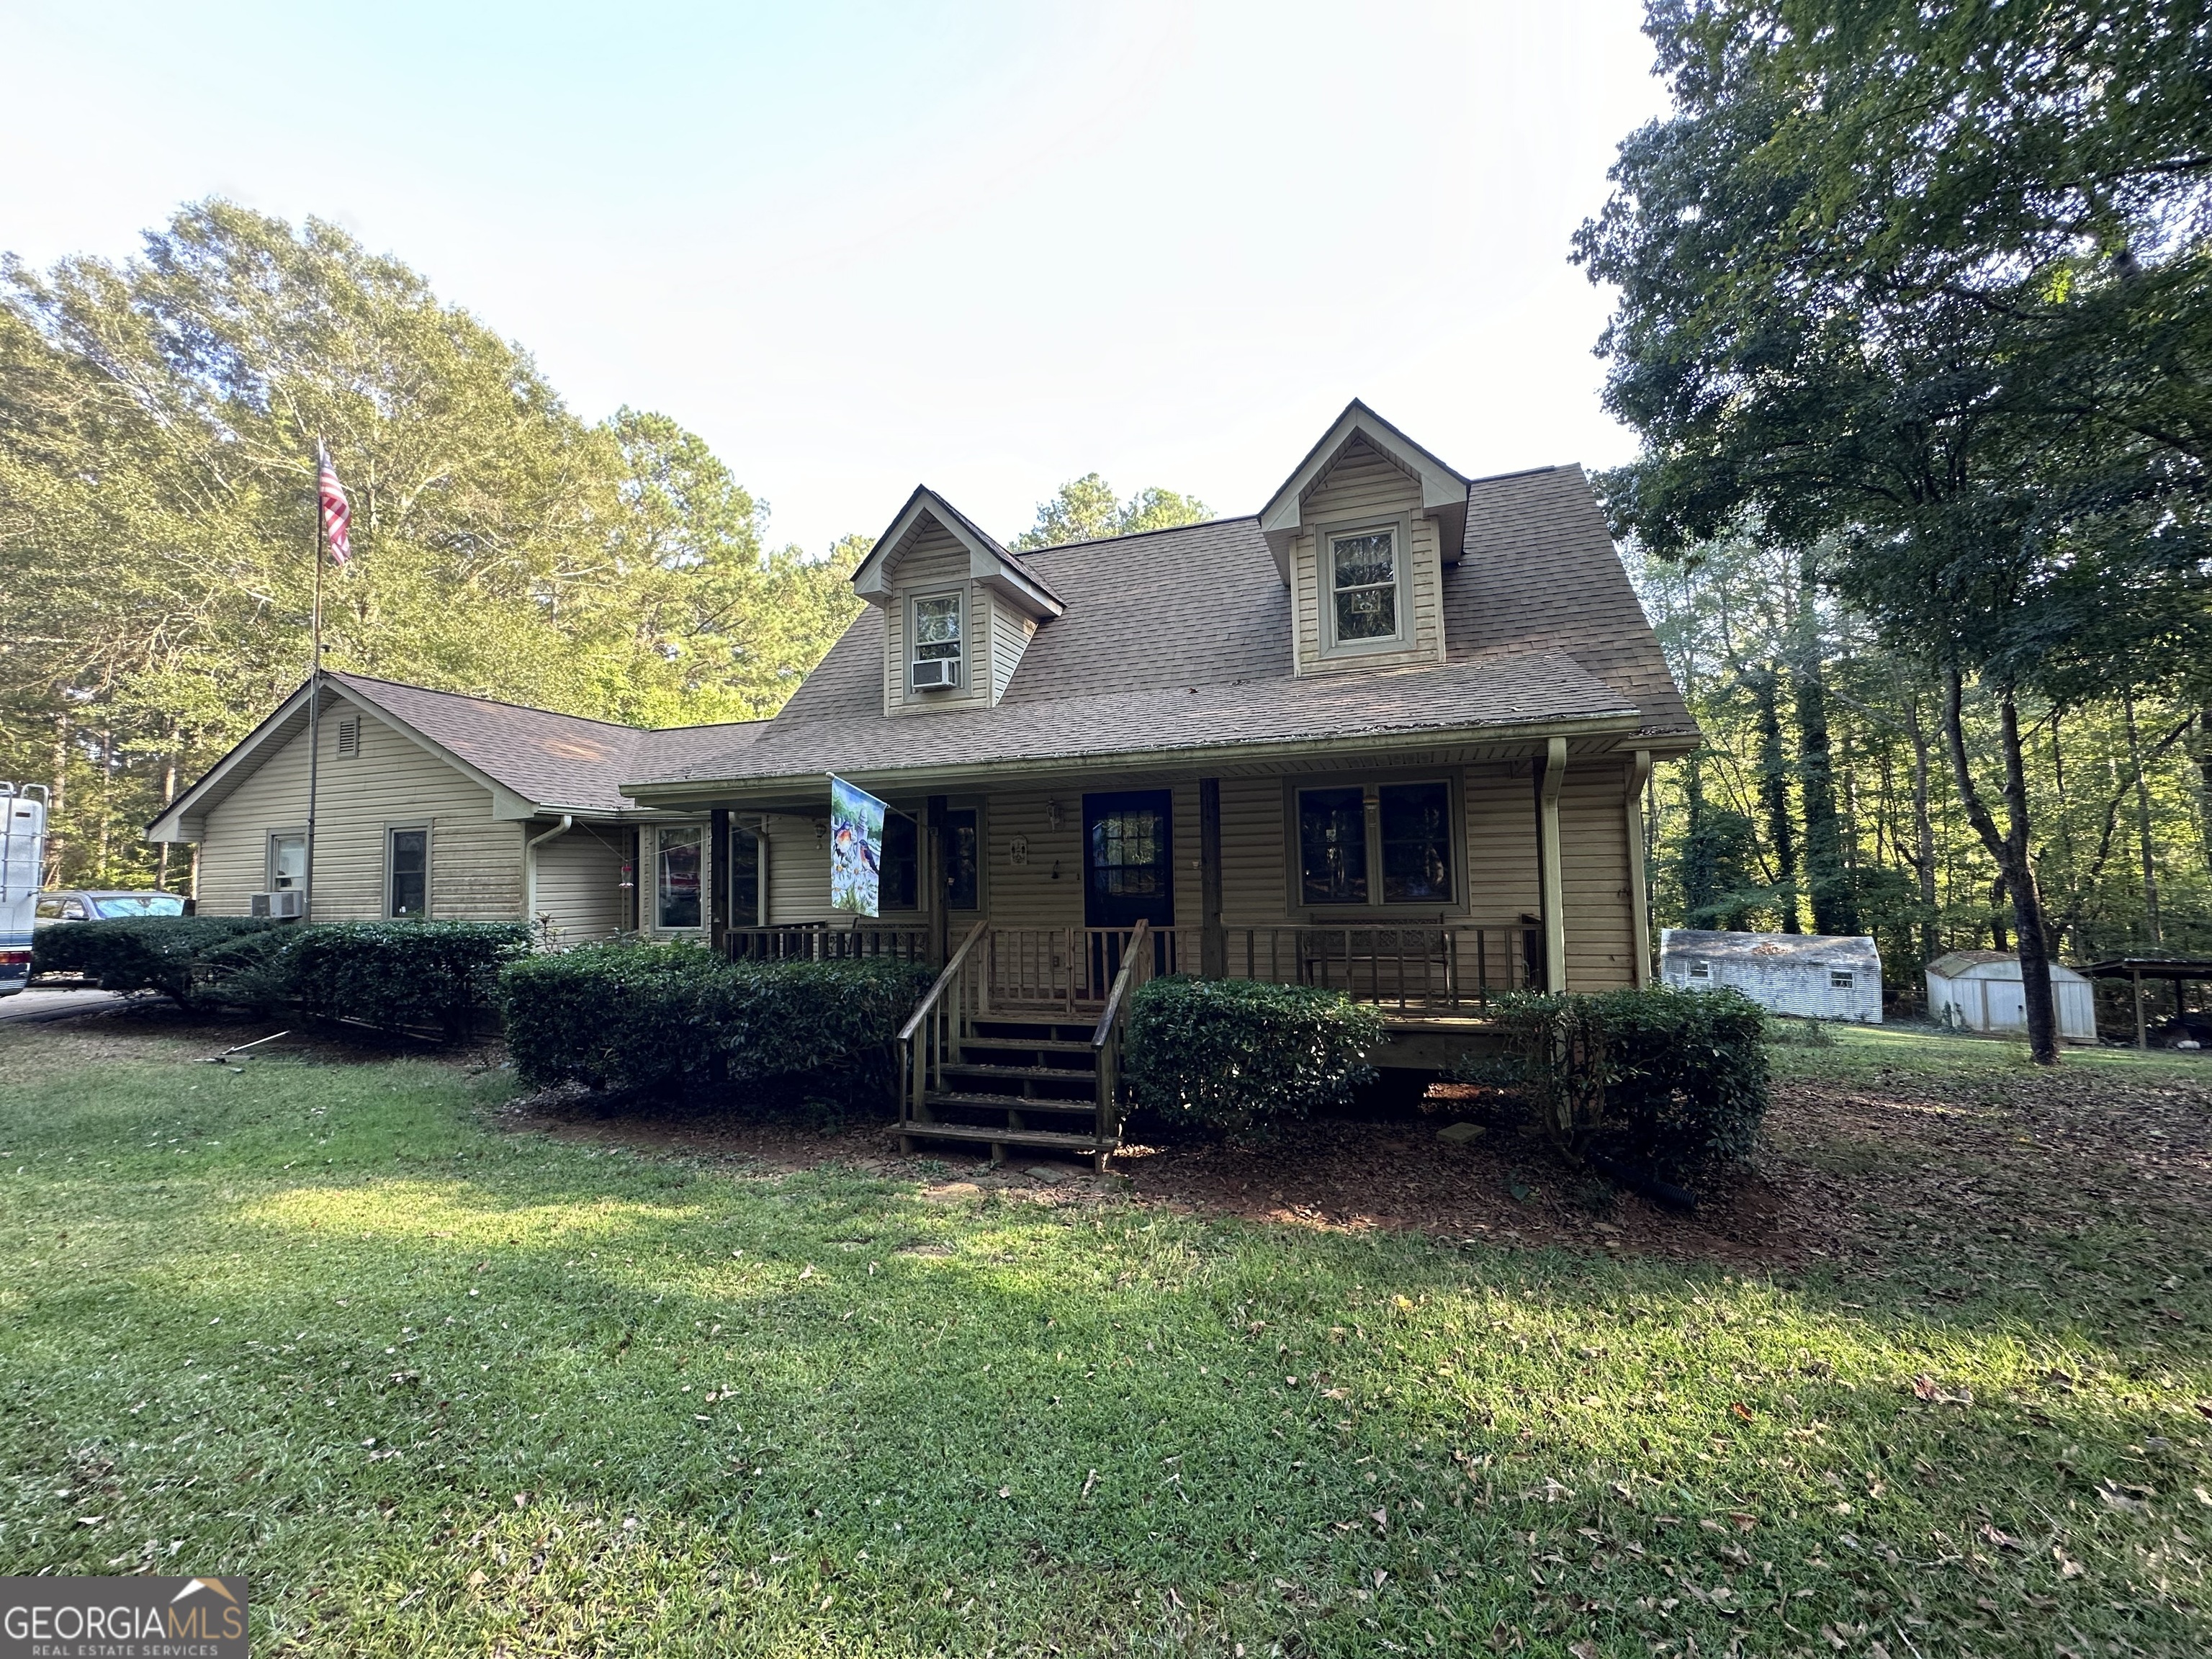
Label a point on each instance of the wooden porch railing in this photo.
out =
(1437, 968)
(1110, 1035)
(827, 942)
(1074, 967)
(933, 1033)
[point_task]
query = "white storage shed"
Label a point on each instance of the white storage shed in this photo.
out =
(1981, 991)
(1815, 975)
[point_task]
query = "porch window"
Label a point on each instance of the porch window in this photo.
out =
(898, 877)
(407, 866)
(1364, 581)
(744, 878)
(1333, 845)
(677, 879)
(1395, 840)
(937, 639)
(960, 860)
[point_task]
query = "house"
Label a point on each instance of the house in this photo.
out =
(1814, 976)
(1981, 991)
(430, 804)
(1389, 733)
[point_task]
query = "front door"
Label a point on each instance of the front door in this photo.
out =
(1128, 873)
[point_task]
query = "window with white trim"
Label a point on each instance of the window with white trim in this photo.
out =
(1365, 574)
(1701, 970)
(1839, 979)
(938, 638)
(288, 861)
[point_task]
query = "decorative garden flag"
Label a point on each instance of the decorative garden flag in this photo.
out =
(856, 847)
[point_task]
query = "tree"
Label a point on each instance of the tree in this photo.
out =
(1955, 369)
(157, 425)
(1085, 509)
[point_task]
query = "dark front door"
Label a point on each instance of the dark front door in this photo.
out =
(1128, 875)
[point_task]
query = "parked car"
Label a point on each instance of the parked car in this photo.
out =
(92, 904)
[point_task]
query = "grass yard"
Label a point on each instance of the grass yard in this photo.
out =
(440, 1386)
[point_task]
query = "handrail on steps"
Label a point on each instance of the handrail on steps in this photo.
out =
(958, 960)
(1139, 935)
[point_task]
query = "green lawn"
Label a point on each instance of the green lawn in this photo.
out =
(441, 1388)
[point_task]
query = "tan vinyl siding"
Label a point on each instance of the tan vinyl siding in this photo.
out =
(798, 871)
(1046, 892)
(1255, 869)
(476, 863)
(1594, 872)
(580, 882)
(1501, 845)
(1010, 632)
(1364, 485)
(934, 562)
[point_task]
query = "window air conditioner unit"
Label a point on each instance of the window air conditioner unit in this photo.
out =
(936, 674)
(280, 906)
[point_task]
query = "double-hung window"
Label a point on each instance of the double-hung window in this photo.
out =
(938, 642)
(900, 882)
(1374, 844)
(1362, 570)
(288, 861)
(407, 867)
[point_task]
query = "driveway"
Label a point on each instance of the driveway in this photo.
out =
(39, 1004)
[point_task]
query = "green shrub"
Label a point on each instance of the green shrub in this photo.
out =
(611, 1016)
(139, 953)
(1224, 1052)
(1671, 1081)
(676, 1016)
(395, 974)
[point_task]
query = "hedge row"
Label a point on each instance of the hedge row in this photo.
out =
(391, 974)
(674, 1016)
(1674, 1082)
(1225, 1052)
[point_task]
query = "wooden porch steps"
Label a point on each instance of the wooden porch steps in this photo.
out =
(994, 1084)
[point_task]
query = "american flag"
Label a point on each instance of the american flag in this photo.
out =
(336, 515)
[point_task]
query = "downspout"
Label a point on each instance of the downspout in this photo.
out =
(530, 865)
(1639, 898)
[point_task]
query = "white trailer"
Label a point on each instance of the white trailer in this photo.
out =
(23, 859)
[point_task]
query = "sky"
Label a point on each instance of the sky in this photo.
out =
(986, 246)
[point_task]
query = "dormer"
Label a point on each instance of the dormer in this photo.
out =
(1361, 534)
(958, 609)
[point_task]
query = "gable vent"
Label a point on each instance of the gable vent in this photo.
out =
(350, 737)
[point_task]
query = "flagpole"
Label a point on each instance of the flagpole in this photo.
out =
(315, 693)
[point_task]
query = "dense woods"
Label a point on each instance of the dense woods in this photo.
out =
(1914, 325)
(157, 427)
(1822, 801)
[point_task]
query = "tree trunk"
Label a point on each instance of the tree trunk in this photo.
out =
(2009, 849)
(168, 795)
(58, 805)
(2204, 783)
(1774, 794)
(1924, 833)
(1834, 910)
(2143, 822)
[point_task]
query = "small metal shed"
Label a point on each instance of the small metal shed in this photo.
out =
(1815, 975)
(1981, 991)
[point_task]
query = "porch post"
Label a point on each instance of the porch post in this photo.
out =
(932, 872)
(1213, 938)
(1639, 775)
(1551, 773)
(718, 879)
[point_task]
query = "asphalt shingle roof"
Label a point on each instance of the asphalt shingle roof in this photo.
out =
(1181, 638)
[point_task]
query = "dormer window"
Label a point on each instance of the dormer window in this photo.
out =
(937, 643)
(1366, 574)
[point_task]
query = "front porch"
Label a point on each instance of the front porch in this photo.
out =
(1018, 1042)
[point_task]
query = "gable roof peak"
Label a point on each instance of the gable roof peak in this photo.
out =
(1003, 572)
(1443, 488)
